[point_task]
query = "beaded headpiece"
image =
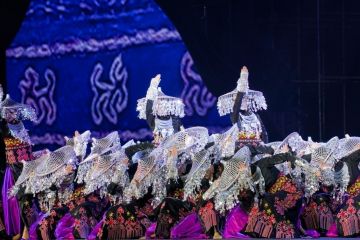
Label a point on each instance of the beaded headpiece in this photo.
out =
(52, 169)
(225, 143)
(19, 111)
(235, 177)
(160, 165)
(79, 142)
(28, 171)
(109, 168)
(347, 146)
(201, 162)
(163, 105)
(320, 169)
(252, 101)
(108, 144)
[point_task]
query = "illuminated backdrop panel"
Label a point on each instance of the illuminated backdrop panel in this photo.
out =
(83, 65)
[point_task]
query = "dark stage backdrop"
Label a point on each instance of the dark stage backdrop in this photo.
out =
(83, 64)
(304, 55)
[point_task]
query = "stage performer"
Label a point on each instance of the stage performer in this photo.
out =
(347, 178)
(18, 148)
(275, 213)
(162, 112)
(243, 104)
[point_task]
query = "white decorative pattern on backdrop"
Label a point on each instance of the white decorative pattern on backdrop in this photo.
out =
(110, 95)
(40, 98)
(195, 94)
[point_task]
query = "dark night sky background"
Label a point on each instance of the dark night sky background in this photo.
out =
(304, 55)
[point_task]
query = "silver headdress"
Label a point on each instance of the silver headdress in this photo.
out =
(11, 110)
(252, 101)
(79, 142)
(342, 179)
(18, 131)
(201, 162)
(321, 167)
(291, 140)
(347, 146)
(273, 145)
(235, 177)
(166, 105)
(163, 105)
(19, 111)
(161, 165)
(27, 173)
(110, 168)
(52, 170)
(300, 146)
(142, 179)
(225, 143)
(108, 144)
(190, 140)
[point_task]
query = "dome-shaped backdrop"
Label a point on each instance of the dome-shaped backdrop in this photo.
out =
(83, 65)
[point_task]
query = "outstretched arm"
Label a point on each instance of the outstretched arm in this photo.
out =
(150, 118)
(264, 134)
(268, 162)
(236, 108)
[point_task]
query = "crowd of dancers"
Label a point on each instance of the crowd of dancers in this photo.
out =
(186, 183)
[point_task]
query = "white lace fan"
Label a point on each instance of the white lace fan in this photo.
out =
(108, 144)
(52, 170)
(235, 177)
(79, 142)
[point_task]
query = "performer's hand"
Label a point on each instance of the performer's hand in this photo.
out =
(68, 169)
(242, 83)
(284, 148)
(173, 152)
(152, 90)
(155, 81)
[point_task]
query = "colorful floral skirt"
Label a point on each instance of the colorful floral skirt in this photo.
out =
(169, 213)
(318, 214)
(125, 222)
(44, 227)
(209, 217)
(348, 217)
(276, 214)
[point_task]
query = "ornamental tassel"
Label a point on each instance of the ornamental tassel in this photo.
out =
(162, 227)
(138, 230)
(251, 224)
(84, 229)
(263, 228)
(130, 232)
(353, 224)
(44, 230)
(258, 226)
(122, 231)
(326, 219)
(282, 235)
(118, 231)
(112, 232)
(267, 230)
(311, 219)
(209, 218)
(345, 227)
